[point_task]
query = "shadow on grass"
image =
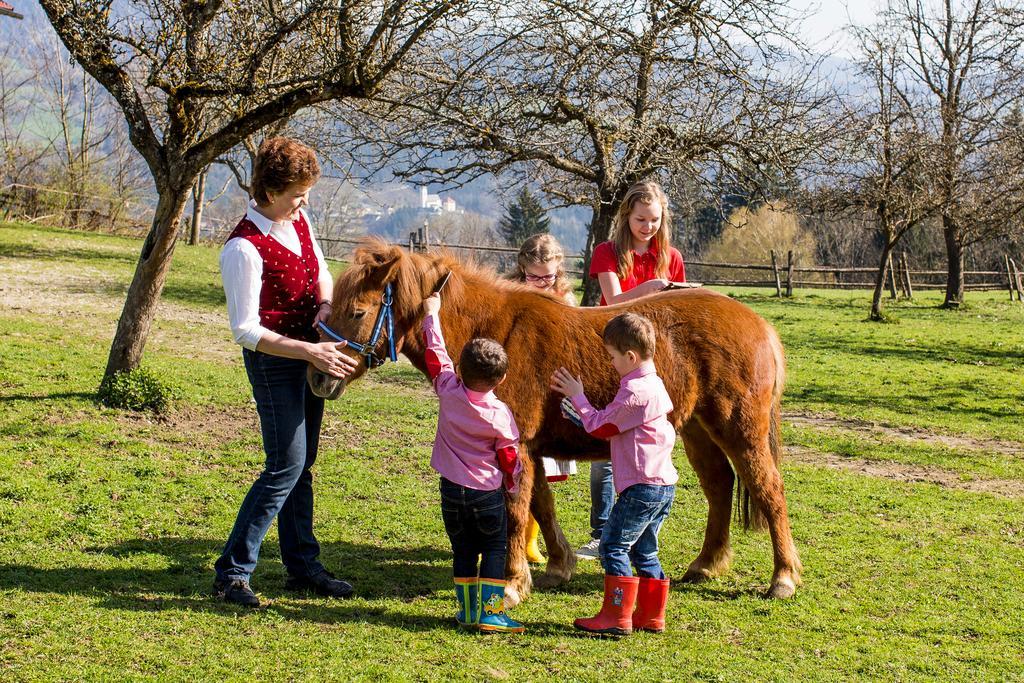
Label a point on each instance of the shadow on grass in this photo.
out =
(935, 402)
(378, 573)
(58, 395)
(62, 253)
(960, 353)
(193, 293)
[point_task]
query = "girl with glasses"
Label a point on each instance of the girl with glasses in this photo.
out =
(541, 264)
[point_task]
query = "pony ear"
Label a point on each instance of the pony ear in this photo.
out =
(381, 264)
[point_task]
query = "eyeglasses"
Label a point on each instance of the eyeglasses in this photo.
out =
(546, 279)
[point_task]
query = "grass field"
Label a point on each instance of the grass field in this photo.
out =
(110, 521)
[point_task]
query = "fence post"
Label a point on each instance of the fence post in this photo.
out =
(788, 273)
(906, 276)
(1016, 280)
(1009, 275)
(892, 279)
(775, 272)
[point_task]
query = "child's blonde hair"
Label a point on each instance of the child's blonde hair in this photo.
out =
(622, 237)
(540, 249)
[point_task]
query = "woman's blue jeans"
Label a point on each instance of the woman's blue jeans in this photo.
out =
(631, 534)
(602, 495)
(290, 417)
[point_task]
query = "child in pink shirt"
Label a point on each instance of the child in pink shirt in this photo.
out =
(641, 439)
(475, 452)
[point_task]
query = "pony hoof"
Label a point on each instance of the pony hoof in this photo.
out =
(512, 596)
(781, 589)
(551, 580)
(696, 576)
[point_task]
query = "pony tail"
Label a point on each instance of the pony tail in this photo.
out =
(749, 514)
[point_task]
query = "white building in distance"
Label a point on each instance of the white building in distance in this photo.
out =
(433, 202)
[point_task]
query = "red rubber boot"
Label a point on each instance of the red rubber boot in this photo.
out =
(651, 598)
(616, 615)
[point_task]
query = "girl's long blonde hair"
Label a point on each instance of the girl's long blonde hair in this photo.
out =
(622, 237)
(540, 249)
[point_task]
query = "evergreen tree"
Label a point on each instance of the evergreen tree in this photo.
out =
(523, 217)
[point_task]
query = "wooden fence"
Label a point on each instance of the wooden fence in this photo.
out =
(35, 204)
(784, 277)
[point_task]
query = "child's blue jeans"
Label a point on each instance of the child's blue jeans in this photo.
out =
(477, 528)
(631, 533)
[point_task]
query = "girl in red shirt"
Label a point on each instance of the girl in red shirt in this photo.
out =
(638, 260)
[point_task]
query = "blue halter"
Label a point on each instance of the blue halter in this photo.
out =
(368, 350)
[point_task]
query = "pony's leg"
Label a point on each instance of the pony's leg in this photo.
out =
(561, 559)
(757, 470)
(517, 569)
(716, 479)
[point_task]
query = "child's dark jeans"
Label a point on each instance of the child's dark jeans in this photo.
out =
(477, 527)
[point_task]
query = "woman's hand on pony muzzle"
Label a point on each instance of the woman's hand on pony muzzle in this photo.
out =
(327, 357)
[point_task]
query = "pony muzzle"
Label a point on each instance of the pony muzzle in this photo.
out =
(324, 385)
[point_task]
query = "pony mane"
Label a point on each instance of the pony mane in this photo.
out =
(417, 274)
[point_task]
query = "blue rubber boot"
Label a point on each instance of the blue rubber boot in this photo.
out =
(467, 591)
(492, 609)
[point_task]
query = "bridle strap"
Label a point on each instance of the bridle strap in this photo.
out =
(385, 316)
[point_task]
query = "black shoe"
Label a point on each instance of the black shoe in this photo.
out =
(323, 583)
(236, 591)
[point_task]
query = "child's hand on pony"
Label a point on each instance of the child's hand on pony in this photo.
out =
(432, 304)
(564, 383)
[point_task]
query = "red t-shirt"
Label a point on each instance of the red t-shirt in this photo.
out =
(604, 260)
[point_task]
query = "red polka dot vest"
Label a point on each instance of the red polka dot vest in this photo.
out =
(288, 296)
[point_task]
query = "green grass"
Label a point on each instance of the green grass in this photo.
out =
(952, 371)
(110, 522)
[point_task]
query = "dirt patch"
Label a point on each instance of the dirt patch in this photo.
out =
(193, 426)
(48, 291)
(913, 434)
(42, 287)
(1009, 488)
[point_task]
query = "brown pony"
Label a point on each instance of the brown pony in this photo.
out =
(722, 364)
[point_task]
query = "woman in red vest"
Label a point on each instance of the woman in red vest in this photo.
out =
(278, 288)
(638, 260)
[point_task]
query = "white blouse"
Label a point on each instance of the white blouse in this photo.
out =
(241, 271)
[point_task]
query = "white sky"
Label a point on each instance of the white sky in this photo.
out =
(826, 19)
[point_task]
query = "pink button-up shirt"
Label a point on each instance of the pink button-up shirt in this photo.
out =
(637, 428)
(477, 438)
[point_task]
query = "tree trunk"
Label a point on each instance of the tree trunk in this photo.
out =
(198, 201)
(150, 276)
(600, 228)
(880, 276)
(954, 264)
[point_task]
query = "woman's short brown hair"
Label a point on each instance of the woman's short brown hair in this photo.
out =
(630, 332)
(279, 163)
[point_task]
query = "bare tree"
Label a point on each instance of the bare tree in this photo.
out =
(963, 55)
(583, 99)
(200, 201)
(195, 78)
(878, 169)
